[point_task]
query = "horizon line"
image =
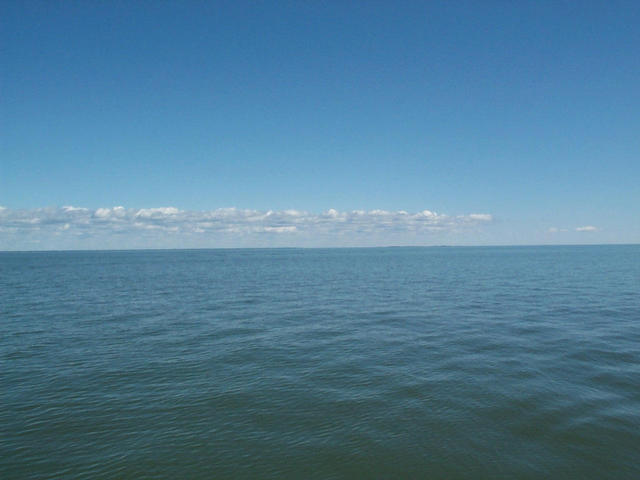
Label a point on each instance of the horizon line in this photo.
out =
(159, 249)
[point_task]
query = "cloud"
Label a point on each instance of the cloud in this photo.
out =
(483, 217)
(154, 226)
(586, 228)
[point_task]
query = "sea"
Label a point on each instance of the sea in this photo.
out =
(390, 363)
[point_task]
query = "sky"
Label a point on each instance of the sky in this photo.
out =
(306, 123)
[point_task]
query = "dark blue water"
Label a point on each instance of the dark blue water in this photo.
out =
(344, 363)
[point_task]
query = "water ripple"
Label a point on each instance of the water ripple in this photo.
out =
(364, 363)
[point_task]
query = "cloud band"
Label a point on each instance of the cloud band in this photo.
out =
(83, 222)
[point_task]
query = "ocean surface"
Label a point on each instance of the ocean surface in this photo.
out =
(492, 362)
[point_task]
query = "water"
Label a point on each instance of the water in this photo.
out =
(519, 362)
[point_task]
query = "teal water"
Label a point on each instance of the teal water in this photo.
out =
(517, 362)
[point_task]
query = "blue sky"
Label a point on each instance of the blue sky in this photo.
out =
(525, 112)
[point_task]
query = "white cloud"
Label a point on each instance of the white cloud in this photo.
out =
(102, 212)
(69, 208)
(481, 217)
(153, 212)
(287, 229)
(587, 228)
(229, 226)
